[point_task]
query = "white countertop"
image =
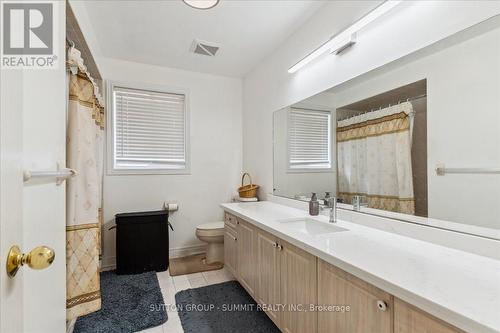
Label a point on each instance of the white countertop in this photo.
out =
(461, 288)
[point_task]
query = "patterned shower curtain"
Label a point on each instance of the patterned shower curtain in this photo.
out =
(84, 151)
(374, 158)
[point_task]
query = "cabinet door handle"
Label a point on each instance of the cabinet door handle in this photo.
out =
(280, 247)
(382, 305)
(275, 244)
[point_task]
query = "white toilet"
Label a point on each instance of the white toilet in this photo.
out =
(213, 234)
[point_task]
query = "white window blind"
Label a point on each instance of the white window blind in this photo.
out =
(309, 139)
(149, 129)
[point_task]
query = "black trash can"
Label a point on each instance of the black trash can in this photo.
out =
(142, 242)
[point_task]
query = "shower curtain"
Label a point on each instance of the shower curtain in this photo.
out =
(374, 158)
(84, 151)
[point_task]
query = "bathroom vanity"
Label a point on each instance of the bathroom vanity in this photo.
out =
(313, 276)
(409, 149)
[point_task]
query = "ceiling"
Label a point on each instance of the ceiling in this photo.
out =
(162, 32)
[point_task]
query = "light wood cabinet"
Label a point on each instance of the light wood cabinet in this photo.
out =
(230, 251)
(409, 319)
(298, 289)
(268, 278)
(246, 268)
(277, 273)
(286, 276)
(370, 309)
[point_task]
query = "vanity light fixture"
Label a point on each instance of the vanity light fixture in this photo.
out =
(347, 37)
(201, 4)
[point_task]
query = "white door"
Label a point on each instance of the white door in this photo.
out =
(32, 137)
(11, 194)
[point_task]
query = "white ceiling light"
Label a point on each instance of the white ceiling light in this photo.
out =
(201, 4)
(347, 37)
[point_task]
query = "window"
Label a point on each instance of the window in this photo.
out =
(149, 131)
(309, 140)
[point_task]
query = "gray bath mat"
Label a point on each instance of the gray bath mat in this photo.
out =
(130, 303)
(221, 308)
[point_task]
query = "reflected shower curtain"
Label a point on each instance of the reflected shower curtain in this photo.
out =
(374, 158)
(84, 154)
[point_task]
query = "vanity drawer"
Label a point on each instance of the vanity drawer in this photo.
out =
(231, 230)
(230, 221)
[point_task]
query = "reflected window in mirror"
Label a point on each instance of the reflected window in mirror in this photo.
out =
(309, 140)
(303, 152)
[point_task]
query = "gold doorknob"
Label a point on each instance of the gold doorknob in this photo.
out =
(39, 258)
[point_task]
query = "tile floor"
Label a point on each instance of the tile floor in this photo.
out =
(171, 285)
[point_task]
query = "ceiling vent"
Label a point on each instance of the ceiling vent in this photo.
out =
(204, 48)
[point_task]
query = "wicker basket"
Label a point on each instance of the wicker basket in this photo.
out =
(247, 191)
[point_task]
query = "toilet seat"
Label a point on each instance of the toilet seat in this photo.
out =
(213, 229)
(211, 226)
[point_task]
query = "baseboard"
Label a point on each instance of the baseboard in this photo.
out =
(186, 251)
(109, 263)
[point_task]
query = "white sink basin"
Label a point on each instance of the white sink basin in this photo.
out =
(310, 226)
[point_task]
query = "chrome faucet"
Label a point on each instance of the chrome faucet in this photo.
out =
(331, 203)
(356, 202)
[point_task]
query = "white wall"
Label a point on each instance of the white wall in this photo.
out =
(216, 156)
(409, 27)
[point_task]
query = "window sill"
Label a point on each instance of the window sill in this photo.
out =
(311, 170)
(145, 172)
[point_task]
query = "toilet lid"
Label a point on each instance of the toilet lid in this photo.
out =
(211, 226)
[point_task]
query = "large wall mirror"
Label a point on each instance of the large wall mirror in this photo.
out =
(417, 140)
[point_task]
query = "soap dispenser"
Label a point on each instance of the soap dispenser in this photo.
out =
(314, 205)
(327, 198)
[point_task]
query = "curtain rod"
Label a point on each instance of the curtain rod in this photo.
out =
(399, 102)
(380, 108)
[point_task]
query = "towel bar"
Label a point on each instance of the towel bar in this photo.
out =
(441, 170)
(60, 175)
